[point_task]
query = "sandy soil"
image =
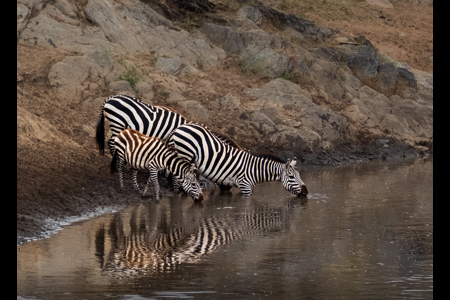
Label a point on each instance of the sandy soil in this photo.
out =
(75, 178)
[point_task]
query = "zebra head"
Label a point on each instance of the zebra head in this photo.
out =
(291, 179)
(190, 184)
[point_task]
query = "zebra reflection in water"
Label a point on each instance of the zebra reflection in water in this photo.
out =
(145, 248)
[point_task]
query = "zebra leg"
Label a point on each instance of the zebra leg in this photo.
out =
(153, 178)
(120, 171)
(134, 179)
(175, 185)
(246, 187)
(111, 145)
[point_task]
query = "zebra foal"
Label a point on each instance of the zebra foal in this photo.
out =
(229, 166)
(145, 153)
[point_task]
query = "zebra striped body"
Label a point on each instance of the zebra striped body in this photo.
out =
(145, 153)
(229, 166)
(127, 112)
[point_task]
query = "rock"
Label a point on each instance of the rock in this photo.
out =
(261, 118)
(187, 70)
(362, 60)
(22, 14)
(381, 3)
(306, 27)
(55, 13)
(195, 112)
(251, 13)
(116, 29)
(253, 36)
(67, 8)
(280, 92)
(227, 38)
(145, 90)
(264, 61)
(170, 66)
(121, 87)
(387, 77)
(406, 78)
(229, 102)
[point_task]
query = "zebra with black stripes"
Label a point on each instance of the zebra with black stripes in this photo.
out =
(145, 153)
(124, 112)
(229, 166)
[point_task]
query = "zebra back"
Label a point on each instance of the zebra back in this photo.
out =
(124, 112)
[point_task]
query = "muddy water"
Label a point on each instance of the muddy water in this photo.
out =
(365, 232)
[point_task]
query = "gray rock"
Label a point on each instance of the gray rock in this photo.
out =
(227, 38)
(195, 111)
(386, 78)
(22, 14)
(280, 92)
(264, 61)
(249, 12)
(66, 7)
(406, 78)
(170, 66)
(121, 87)
(187, 70)
(116, 29)
(261, 118)
(362, 60)
(253, 36)
(145, 90)
(229, 102)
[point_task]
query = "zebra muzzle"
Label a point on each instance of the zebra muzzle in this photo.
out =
(303, 191)
(199, 198)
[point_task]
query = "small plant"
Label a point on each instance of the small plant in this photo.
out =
(252, 3)
(104, 89)
(189, 21)
(308, 61)
(132, 75)
(165, 95)
(48, 64)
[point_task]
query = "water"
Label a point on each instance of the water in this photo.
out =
(365, 232)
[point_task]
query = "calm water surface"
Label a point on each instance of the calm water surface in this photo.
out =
(365, 232)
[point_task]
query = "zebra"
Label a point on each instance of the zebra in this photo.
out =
(229, 166)
(145, 153)
(124, 112)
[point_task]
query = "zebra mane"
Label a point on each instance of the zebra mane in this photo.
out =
(222, 137)
(272, 157)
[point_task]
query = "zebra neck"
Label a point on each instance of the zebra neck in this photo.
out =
(176, 164)
(266, 170)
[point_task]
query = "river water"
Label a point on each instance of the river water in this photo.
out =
(365, 231)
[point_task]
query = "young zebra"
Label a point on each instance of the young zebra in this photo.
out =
(145, 153)
(229, 166)
(127, 112)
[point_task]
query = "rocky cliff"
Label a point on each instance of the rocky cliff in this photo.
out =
(276, 83)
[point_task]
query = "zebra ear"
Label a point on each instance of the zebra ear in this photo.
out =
(294, 162)
(288, 163)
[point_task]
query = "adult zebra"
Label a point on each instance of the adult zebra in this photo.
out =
(145, 153)
(229, 166)
(127, 112)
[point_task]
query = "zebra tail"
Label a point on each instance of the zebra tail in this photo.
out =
(100, 131)
(113, 166)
